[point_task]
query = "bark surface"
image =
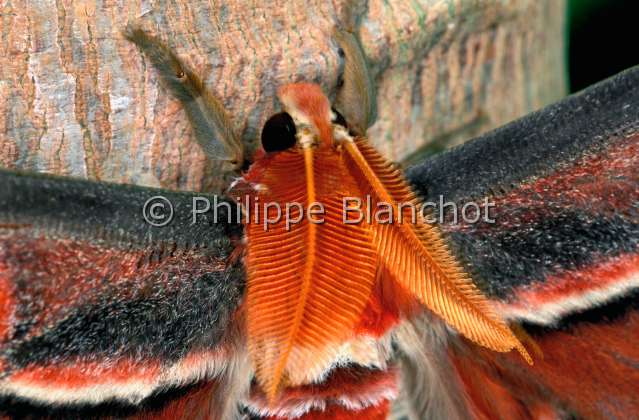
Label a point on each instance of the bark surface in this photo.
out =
(77, 99)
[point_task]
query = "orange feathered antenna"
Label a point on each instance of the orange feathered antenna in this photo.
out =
(419, 260)
(309, 282)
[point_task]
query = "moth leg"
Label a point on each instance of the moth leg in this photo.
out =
(356, 97)
(206, 113)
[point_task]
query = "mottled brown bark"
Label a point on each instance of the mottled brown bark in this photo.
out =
(77, 99)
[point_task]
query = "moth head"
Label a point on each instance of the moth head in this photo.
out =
(307, 119)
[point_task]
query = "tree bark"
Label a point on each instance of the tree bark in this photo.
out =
(77, 99)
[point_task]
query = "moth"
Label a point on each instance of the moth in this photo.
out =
(107, 315)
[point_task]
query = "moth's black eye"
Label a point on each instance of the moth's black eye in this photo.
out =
(339, 118)
(278, 133)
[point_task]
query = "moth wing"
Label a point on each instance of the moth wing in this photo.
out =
(101, 310)
(559, 257)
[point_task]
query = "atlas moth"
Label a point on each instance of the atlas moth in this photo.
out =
(101, 307)
(309, 284)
